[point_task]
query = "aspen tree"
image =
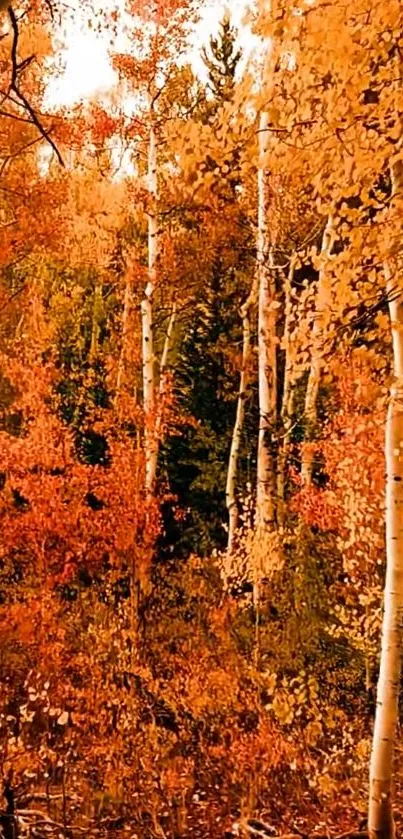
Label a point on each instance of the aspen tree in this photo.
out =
(287, 396)
(230, 492)
(265, 507)
(380, 821)
(164, 30)
(149, 375)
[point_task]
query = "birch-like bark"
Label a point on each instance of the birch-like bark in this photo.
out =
(380, 818)
(265, 506)
(236, 441)
(312, 390)
(287, 399)
(149, 376)
(267, 375)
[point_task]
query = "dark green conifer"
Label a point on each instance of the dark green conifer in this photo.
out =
(221, 60)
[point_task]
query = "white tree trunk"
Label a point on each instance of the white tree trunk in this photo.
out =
(149, 376)
(232, 474)
(380, 819)
(265, 506)
(312, 390)
(287, 399)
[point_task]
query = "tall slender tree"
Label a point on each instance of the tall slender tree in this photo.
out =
(221, 60)
(163, 36)
(149, 367)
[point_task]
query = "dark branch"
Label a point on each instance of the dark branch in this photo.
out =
(16, 68)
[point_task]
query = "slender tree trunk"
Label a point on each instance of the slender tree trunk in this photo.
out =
(149, 377)
(287, 398)
(232, 474)
(312, 390)
(380, 819)
(267, 377)
(265, 505)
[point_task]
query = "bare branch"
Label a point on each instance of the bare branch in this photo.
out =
(16, 68)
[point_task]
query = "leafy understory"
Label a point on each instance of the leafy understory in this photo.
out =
(201, 426)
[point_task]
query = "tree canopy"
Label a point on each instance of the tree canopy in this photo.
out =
(201, 434)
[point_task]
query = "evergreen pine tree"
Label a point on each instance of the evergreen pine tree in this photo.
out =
(195, 463)
(221, 61)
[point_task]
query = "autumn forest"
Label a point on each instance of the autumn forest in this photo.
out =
(201, 424)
